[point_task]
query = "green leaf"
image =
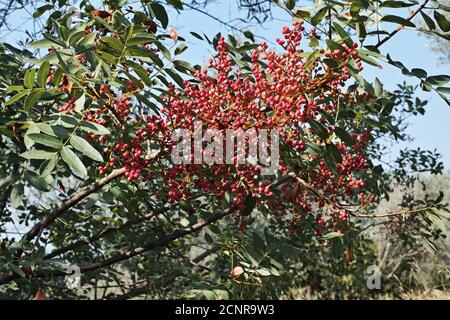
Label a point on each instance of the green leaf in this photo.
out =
(42, 44)
(447, 100)
(344, 136)
(378, 87)
(438, 223)
(290, 4)
(33, 98)
(333, 45)
(337, 247)
(43, 73)
(247, 47)
(263, 272)
(343, 34)
(176, 77)
(430, 23)
(41, 10)
(249, 35)
(75, 36)
(85, 148)
(107, 57)
(144, 54)
(334, 153)
(361, 31)
(442, 21)
(73, 161)
(318, 17)
(15, 88)
(396, 4)
(180, 49)
(114, 43)
(398, 20)
(16, 97)
(183, 66)
(438, 80)
(165, 52)
(37, 154)
(177, 4)
(250, 204)
(319, 129)
(17, 195)
(160, 14)
(364, 57)
(196, 35)
(440, 197)
(28, 80)
(45, 140)
(331, 235)
(48, 166)
(313, 43)
(141, 72)
(8, 181)
(445, 90)
(93, 128)
(36, 181)
(314, 149)
(420, 73)
(80, 102)
(89, 40)
(17, 270)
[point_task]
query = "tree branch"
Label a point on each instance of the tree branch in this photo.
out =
(391, 214)
(160, 242)
(393, 33)
(48, 219)
(104, 233)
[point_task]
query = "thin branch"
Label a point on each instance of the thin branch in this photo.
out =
(133, 293)
(392, 214)
(393, 33)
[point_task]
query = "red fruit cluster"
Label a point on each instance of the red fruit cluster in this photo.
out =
(286, 91)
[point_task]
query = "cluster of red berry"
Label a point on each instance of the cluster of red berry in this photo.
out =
(283, 91)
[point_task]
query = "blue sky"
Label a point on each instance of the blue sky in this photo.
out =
(430, 131)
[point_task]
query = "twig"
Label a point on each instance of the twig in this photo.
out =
(391, 214)
(393, 33)
(51, 217)
(220, 21)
